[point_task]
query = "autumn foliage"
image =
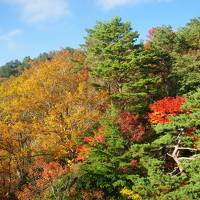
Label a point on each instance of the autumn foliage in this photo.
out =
(43, 112)
(77, 124)
(164, 108)
(41, 174)
(130, 126)
(151, 33)
(96, 137)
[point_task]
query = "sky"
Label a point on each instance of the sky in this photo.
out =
(30, 27)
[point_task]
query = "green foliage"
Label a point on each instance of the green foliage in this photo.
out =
(134, 77)
(147, 80)
(188, 36)
(109, 46)
(186, 72)
(10, 69)
(163, 39)
(104, 162)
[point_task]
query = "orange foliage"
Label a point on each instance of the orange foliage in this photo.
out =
(164, 108)
(42, 175)
(92, 194)
(44, 111)
(88, 139)
(82, 152)
(151, 33)
(147, 43)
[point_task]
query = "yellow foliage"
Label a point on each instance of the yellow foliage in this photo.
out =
(130, 194)
(44, 111)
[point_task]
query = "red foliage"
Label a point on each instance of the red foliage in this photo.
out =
(52, 170)
(130, 127)
(190, 131)
(42, 174)
(134, 163)
(98, 137)
(164, 108)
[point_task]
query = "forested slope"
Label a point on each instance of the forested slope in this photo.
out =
(117, 119)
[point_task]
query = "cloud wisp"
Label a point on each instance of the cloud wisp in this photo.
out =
(109, 4)
(8, 39)
(10, 35)
(33, 11)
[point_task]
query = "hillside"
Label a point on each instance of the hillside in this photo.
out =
(117, 119)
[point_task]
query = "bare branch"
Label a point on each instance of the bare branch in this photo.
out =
(189, 158)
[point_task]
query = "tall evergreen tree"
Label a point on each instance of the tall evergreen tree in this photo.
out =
(109, 46)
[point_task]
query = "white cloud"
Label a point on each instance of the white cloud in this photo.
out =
(109, 4)
(41, 10)
(8, 39)
(10, 35)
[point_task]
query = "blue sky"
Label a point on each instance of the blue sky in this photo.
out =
(30, 27)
